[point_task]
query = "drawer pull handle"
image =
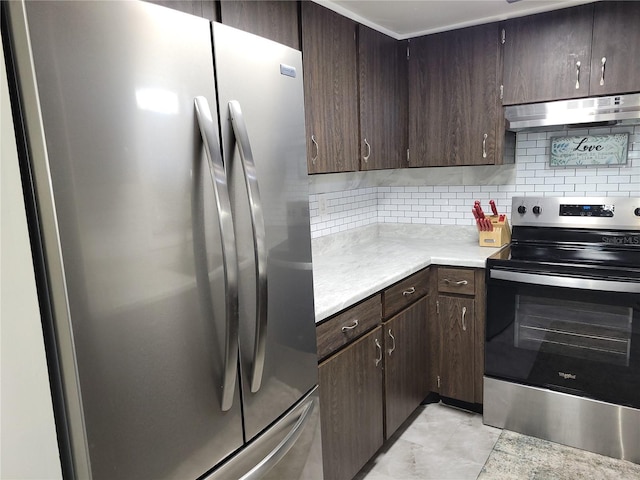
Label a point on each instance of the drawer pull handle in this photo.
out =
(460, 282)
(393, 347)
(464, 320)
(379, 347)
(350, 327)
(411, 291)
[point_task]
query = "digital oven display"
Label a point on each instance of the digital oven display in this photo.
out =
(586, 210)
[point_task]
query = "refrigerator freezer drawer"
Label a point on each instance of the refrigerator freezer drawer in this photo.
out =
(291, 448)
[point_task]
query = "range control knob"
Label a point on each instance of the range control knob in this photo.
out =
(522, 209)
(537, 210)
(636, 212)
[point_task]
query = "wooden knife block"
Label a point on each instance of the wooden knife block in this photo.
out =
(500, 236)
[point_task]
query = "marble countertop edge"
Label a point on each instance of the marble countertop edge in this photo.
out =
(351, 266)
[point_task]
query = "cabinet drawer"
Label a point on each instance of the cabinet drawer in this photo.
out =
(405, 292)
(350, 324)
(456, 280)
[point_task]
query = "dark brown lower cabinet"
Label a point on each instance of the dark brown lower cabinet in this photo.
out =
(456, 336)
(351, 406)
(457, 355)
(406, 364)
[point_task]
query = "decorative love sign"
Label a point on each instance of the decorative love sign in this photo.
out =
(586, 150)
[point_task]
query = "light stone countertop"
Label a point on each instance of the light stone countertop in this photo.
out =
(350, 266)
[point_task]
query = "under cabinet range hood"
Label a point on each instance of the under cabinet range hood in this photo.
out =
(581, 112)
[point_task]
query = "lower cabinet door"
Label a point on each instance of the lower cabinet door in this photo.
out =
(406, 374)
(351, 406)
(457, 347)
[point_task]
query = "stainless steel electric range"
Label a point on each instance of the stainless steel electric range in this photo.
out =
(562, 351)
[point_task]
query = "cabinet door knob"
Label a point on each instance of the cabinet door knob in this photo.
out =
(315, 157)
(366, 157)
(379, 347)
(350, 327)
(393, 346)
(464, 320)
(484, 145)
(604, 61)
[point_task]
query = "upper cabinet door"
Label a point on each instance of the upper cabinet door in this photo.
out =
(330, 90)
(275, 20)
(455, 117)
(547, 56)
(382, 65)
(615, 61)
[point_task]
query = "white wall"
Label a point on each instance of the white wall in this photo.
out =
(445, 196)
(28, 446)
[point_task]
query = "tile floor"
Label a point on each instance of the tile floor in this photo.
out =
(440, 442)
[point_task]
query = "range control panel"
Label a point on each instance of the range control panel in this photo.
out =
(620, 213)
(586, 210)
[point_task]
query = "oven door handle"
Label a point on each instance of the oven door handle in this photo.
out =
(569, 282)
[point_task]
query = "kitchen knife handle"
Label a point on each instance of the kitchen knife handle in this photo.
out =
(259, 241)
(208, 131)
(315, 157)
(484, 145)
(366, 157)
(604, 61)
(379, 347)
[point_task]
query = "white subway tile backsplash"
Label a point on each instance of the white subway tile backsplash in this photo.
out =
(452, 204)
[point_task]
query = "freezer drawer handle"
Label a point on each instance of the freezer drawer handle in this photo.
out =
(208, 132)
(259, 241)
(272, 459)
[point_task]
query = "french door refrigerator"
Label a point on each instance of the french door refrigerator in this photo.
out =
(164, 163)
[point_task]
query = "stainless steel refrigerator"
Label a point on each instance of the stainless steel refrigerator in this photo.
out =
(163, 160)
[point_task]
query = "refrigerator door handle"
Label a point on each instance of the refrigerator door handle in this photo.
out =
(229, 256)
(259, 241)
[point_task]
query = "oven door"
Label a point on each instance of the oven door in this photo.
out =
(578, 335)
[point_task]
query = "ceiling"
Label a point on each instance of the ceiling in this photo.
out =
(411, 18)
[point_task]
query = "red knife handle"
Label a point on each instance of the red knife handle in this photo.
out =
(493, 207)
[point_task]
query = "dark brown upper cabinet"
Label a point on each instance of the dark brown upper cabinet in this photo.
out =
(330, 90)
(547, 56)
(572, 53)
(455, 114)
(383, 85)
(615, 57)
(275, 20)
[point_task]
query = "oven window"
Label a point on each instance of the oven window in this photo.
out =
(578, 329)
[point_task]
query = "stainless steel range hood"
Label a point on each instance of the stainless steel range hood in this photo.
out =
(582, 112)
